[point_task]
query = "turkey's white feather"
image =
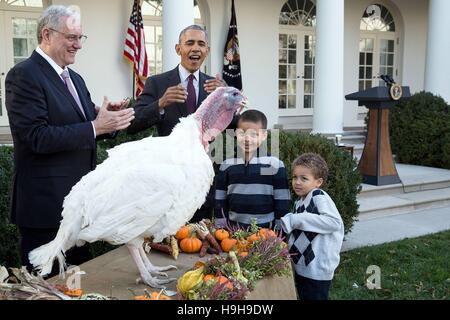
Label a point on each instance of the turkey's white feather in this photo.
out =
(149, 187)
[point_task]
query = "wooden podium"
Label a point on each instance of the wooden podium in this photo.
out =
(377, 165)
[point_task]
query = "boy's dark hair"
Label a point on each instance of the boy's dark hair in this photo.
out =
(254, 116)
(314, 162)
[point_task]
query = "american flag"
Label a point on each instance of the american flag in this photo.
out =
(134, 49)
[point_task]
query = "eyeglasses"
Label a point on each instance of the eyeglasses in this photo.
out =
(72, 37)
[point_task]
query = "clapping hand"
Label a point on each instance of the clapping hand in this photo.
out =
(213, 84)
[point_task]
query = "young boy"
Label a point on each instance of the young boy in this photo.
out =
(251, 186)
(315, 230)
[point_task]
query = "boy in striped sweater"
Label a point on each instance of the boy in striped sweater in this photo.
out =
(315, 229)
(251, 186)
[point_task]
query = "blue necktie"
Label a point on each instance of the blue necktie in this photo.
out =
(191, 101)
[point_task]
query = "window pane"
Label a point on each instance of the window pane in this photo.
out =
(32, 28)
(292, 56)
(362, 58)
(361, 86)
(283, 56)
(292, 87)
(368, 73)
(361, 72)
(362, 45)
(282, 102)
(383, 45)
(20, 47)
(390, 61)
(282, 87)
(369, 59)
(19, 27)
(292, 41)
(369, 45)
(390, 71)
(308, 86)
(391, 45)
(308, 72)
(383, 59)
(307, 102)
(308, 57)
(282, 41)
(292, 72)
(282, 71)
(368, 84)
(291, 102)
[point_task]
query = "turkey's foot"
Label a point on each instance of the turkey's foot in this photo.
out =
(154, 282)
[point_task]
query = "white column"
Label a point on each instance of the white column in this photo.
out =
(177, 15)
(329, 75)
(437, 74)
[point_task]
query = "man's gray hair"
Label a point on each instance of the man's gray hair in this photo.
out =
(51, 18)
(193, 27)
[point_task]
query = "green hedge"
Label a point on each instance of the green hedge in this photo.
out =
(344, 180)
(420, 131)
(343, 183)
(9, 235)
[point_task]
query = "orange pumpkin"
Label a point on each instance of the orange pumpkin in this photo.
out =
(242, 245)
(208, 277)
(191, 245)
(228, 283)
(266, 233)
(183, 233)
(221, 234)
(243, 254)
(228, 244)
(153, 296)
(254, 237)
(75, 293)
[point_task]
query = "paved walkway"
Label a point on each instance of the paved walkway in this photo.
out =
(396, 227)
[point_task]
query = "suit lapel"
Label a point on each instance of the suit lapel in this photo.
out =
(202, 94)
(57, 81)
(79, 87)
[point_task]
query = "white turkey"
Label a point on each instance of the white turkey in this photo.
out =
(149, 187)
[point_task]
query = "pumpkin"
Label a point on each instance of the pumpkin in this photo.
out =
(254, 237)
(243, 254)
(228, 244)
(191, 245)
(209, 277)
(153, 296)
(242, 245)
(75, 293)
(266, 233)
(183, 233)
(221, 234)
(224, 280)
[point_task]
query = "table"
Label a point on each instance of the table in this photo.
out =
(114, 272)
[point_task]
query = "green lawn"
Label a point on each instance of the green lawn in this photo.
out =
(416, 268)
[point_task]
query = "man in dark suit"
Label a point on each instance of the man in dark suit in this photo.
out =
(175, 94)
(54, 125)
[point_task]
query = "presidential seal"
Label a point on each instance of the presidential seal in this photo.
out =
(396, 91)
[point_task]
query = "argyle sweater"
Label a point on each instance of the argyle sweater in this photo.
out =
(315, 234)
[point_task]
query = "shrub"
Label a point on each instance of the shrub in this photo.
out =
(344, 180)
(9, 235)
(420, 131)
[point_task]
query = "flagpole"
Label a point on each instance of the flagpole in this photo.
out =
(134, 84)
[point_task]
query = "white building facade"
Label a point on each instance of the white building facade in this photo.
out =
(299, 58)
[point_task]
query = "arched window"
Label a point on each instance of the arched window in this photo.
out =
(296, 62)
(23, 3)
(377, 46)
(297, 12)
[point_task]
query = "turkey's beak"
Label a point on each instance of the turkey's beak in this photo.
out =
(242, 106)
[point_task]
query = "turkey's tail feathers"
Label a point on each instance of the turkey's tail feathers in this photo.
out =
(42, 258)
